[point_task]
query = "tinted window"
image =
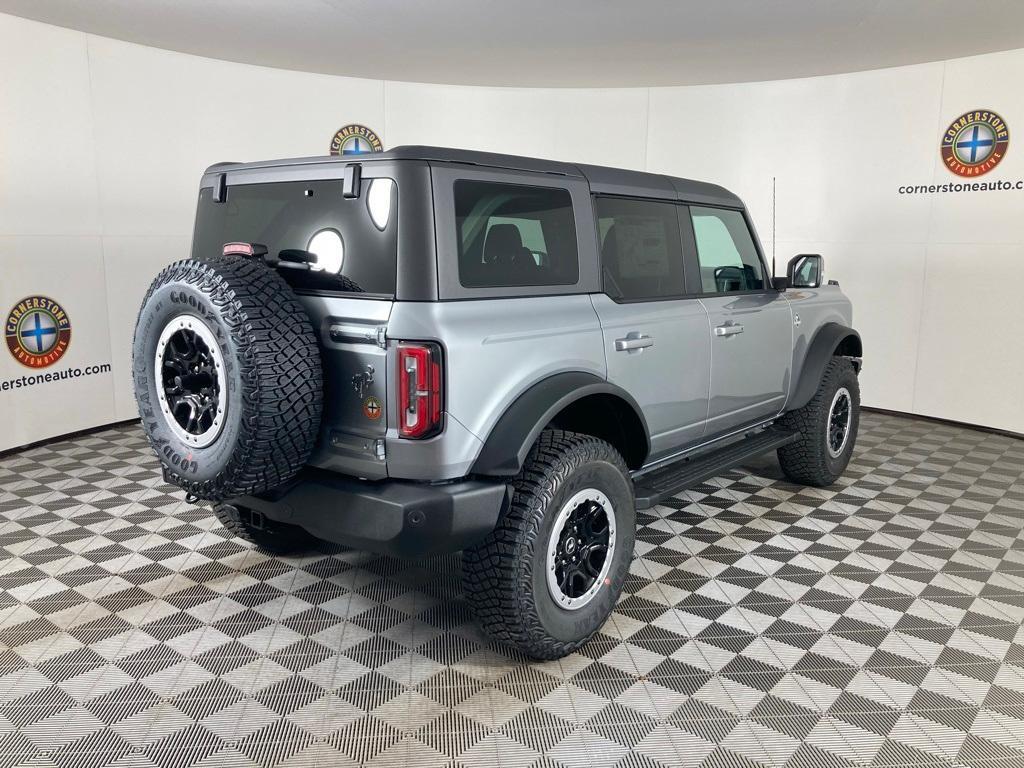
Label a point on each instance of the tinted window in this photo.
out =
(354, 237)
(725, 248)
(641, 255)
(514, 235)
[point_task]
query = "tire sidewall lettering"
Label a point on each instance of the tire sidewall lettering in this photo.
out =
(168, 301)
(561, 623)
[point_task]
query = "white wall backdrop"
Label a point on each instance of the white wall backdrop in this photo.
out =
(102, 144)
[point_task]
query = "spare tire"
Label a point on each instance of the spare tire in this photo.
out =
(227, 377)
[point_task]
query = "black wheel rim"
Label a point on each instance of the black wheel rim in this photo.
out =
(839, 422)
(580, 549)
(190, 382)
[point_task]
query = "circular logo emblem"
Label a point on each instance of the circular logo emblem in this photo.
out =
(372, 408)
(975, 143)
(38, 331)
(355, 139)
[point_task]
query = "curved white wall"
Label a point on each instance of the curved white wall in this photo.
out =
(102, 144)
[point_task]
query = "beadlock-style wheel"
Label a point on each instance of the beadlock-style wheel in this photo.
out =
(580, 549)
(826, 427)
(839, 415)
(548, 576)
(192, 391)
(227, 376)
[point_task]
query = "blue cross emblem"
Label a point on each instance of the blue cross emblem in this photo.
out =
(974, 144)
(38, 332)
(355, 146)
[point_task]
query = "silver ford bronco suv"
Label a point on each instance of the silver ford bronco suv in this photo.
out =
(429, 350)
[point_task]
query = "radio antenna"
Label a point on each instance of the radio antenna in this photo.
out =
(773, 226)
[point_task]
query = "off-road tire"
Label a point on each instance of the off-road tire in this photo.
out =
(273, 376)
(275, 538)
(504, 576)
(807, 461)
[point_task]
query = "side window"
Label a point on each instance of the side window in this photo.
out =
(514, 235)
(726, 251)
(641, 253)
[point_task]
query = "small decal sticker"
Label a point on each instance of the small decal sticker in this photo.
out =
(371, 408)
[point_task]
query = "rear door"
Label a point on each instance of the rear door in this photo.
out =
(348, 295)
(751, 325)
(656, 338)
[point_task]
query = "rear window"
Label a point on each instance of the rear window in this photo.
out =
(515, 235)
(357, 238)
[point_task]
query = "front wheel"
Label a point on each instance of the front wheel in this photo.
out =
(828, 428)
(547, 578)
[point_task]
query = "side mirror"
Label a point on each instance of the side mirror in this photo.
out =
(805, 270)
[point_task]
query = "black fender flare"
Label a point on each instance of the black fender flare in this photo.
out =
(513, 435)
(821, 349)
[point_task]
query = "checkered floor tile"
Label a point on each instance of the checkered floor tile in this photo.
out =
(876, 623)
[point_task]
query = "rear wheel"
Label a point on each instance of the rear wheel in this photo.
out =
(547, 578)
(828, 428)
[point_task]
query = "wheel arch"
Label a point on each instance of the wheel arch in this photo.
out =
(575, 401)
(831, 340)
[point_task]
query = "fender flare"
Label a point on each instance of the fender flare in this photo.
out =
(513, 435)
(821, 349)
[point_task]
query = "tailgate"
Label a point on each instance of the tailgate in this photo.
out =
(354, 354)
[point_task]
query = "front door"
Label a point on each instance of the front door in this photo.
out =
(751, 324)
(656, 341)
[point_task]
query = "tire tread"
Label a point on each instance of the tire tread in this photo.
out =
(495, 580)
(806, 461)
(280, 369)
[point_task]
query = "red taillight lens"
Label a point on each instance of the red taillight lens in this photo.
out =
(419, 389)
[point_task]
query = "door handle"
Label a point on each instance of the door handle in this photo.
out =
(633, 341)
(728, 330)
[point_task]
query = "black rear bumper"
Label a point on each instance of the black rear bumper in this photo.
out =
(390, 516)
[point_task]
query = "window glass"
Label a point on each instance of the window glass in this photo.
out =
(725, 248)
(641, 254)
(515, 235)
(348, 236)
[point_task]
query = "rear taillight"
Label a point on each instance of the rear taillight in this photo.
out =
(419, 389)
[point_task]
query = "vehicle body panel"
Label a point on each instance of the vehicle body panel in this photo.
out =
(668, 379)
(750, 370)
(494, 350)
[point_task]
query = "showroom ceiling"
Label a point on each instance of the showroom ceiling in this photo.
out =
(545, 43)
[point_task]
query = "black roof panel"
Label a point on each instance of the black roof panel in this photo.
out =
(602, 179)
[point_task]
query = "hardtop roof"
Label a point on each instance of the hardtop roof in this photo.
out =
(602, 179)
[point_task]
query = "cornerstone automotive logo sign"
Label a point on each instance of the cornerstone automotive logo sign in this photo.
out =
(38, 331)
(355, 139)
(975, 143)
(972, 145)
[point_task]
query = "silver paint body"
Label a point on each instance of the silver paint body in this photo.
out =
(694, 375)
(692, 385)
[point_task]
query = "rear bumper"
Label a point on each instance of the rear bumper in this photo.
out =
(389, 516)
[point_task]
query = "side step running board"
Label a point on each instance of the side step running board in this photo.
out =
(660, 484)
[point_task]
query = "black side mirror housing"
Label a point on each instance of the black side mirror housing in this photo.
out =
(805, 270)
(780, 283)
